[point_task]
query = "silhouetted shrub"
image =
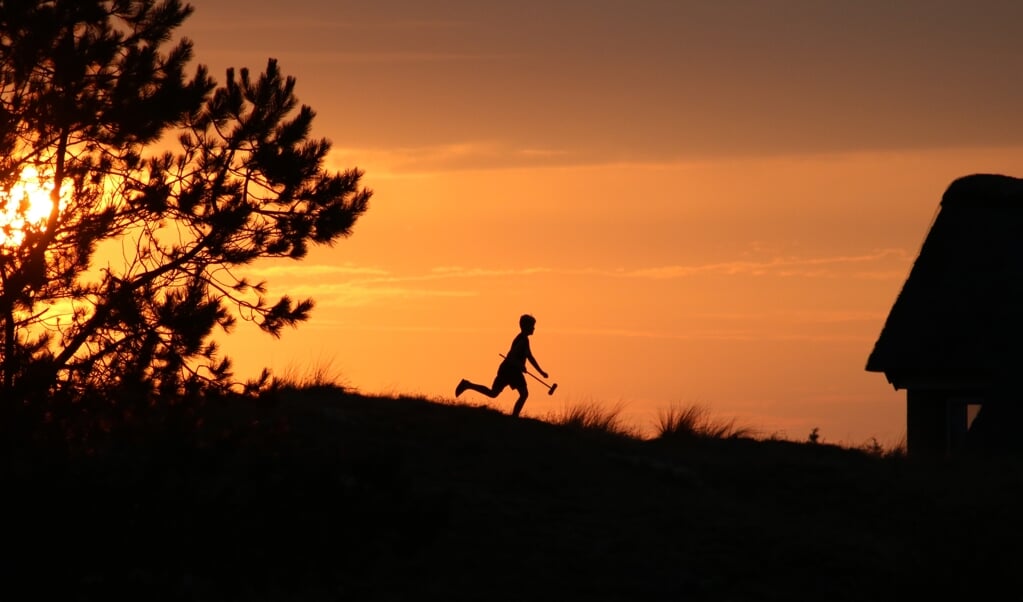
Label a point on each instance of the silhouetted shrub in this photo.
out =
(592, 416)
(693, 421)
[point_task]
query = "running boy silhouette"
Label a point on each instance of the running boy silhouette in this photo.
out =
(511, 372)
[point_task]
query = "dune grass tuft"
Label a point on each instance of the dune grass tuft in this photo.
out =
(693, 421)
(594, 417)
(322, 376)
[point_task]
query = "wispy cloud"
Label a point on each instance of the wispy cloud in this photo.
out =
(706, 334)
(466, 155)
(716, 334)
(504, 154)
(323, 277)
(462, 272)
(816, 316)
(357, 294)
(389, 56)
(344, 285)
(810, 267)
(806, 267)
(373, 276)
(378, 285)
(300, 270)
(306, 24)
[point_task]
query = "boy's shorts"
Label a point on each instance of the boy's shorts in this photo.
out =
(509, 376)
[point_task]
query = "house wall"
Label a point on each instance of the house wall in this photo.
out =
(998, 427)
(936, 423)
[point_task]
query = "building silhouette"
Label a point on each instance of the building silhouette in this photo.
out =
(954, 337)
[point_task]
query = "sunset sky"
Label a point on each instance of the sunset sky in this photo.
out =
(702, 202)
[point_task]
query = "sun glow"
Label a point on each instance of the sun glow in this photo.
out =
(26, 205)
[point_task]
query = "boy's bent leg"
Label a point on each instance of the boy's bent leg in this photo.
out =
(478, 388)
(521, 402)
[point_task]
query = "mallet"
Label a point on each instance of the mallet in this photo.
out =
(550, 388)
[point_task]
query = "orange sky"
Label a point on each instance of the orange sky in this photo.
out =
(710, 203)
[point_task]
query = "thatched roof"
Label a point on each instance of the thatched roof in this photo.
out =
(958, 322)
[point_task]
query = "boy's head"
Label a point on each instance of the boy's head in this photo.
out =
(527, 323)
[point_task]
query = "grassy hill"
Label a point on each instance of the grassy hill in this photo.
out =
(320, 494)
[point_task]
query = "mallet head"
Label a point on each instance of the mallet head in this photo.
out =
(551, 390)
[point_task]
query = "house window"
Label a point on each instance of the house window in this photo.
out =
(971, 413)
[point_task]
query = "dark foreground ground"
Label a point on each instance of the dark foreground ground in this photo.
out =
(341, 497)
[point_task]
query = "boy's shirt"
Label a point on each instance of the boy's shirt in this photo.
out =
(519, 352)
